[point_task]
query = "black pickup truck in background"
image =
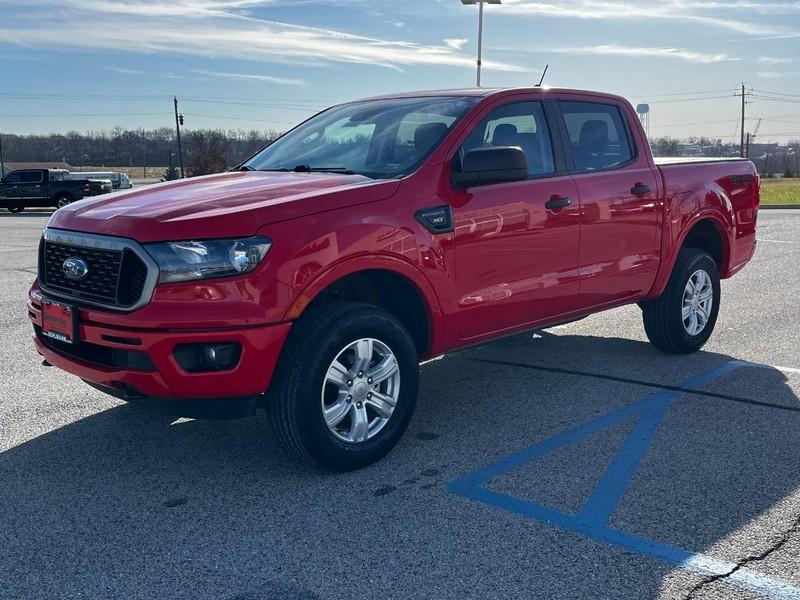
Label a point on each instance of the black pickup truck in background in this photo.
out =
(28, 188)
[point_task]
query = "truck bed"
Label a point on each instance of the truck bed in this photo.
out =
(686, 181)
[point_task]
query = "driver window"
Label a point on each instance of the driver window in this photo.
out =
(31, 177)
(14, 177)
(521, 124)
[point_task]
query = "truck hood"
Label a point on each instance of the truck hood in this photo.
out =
(227, 205)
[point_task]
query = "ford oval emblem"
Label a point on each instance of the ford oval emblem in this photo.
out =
(75, 268)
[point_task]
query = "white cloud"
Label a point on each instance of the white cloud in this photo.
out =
(214, 28)
(633, 51)
(249, 77)
(772, 60)
(702, 13)
(776, 75)
(126, 71)
(455, 43)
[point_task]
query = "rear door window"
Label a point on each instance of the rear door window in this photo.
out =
(597, 134)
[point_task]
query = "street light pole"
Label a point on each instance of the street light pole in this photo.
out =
(480, 4)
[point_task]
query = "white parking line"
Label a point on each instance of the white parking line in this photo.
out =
(777, 241)
(785, 370)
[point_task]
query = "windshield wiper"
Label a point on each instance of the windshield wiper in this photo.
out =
(310, 169)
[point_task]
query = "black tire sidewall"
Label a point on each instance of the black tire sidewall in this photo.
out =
(690, 262)
(308, 376)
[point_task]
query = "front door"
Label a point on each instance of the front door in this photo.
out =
(10, 188)
(516, 259)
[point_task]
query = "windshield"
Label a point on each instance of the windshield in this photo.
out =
(377, 138)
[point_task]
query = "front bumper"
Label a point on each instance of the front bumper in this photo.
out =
(139, 362)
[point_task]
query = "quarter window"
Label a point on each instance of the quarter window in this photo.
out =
(520, 124)
(597, 135)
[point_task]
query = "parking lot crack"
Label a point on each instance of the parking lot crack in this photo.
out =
(754, 558)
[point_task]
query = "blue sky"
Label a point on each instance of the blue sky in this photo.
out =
(265, 64)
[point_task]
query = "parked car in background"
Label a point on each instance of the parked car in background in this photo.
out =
(119, 181)
(378, 234)
(29, 188)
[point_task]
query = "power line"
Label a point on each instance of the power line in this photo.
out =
(239, 118)
(79, 115)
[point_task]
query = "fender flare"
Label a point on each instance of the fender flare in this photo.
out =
(372, 262)
(720, 213)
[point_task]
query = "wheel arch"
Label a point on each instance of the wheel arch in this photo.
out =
(386, 282)
(705, 220)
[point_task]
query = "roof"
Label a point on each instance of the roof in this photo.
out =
(486, 92)
(15, 166)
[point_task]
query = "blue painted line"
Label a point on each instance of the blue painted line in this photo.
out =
(592, 520)
(612, 487)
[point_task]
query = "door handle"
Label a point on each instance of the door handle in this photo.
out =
(557, 203)
(640, 189)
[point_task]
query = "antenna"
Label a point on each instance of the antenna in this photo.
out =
(543, 74)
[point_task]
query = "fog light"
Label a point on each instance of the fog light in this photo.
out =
(201, 358)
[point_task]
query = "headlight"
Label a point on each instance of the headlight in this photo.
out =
(188, 261)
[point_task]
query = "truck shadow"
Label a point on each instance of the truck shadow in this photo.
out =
(128, 499)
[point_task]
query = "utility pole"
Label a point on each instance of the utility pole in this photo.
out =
(2, 164)
(144, 153)
(741, 143)
(178, 123)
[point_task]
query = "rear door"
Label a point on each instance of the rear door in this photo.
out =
(619, 191)
(516, 259)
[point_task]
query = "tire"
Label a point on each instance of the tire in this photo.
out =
(303, 387)
(16, 209)
(62, 201)
(664, 321)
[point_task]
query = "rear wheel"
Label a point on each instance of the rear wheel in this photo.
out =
(16, 209)
(346, 386)
(683, 318)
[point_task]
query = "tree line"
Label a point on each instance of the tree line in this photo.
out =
(205, 150)
(208, 151)
(771, 160)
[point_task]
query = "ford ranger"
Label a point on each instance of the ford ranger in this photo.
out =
(313, 279)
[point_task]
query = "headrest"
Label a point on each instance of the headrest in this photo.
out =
(594, 137)
(428, 134)
(505, 134)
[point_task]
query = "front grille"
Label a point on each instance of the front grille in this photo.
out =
(101, 356)
(116, 278)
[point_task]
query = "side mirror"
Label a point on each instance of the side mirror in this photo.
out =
(495, 164)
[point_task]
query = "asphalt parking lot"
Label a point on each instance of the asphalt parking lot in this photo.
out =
(574, 463)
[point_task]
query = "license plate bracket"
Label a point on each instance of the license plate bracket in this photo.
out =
(59, 321)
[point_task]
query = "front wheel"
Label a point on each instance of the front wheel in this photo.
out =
(63, 201)
(683, 318)
(346, 386)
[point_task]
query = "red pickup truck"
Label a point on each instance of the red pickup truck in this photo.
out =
(313, 279)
